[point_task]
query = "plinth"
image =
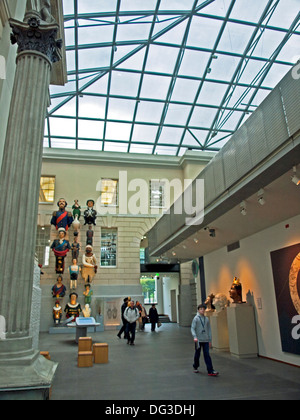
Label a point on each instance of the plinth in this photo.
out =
(219, 329)
(242, 330)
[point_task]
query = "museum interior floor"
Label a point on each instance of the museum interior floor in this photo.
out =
(159, 367)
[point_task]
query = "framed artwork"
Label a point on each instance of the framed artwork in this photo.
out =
(286, 274)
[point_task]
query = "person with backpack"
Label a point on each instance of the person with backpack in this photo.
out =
(131, 314)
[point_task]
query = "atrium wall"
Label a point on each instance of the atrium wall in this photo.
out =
(78, 179)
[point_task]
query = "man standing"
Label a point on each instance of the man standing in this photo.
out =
(124, 321)
(201, 332)
(131, 314)
(153, 316)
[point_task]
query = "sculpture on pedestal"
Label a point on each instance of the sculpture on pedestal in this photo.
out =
(89, 262)
(88, 293)
(90, 214)
(59, 289)
(89, 236)
(236, 291)
(75, 249)
(57, 313)
(74, 271)
(76, 209)
(73, 308)
(62, 218)
(210, 308)
(86, 311)
(60, 247)
(220, 302)
(42, 7)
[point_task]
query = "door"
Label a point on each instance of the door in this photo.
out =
(173, 306)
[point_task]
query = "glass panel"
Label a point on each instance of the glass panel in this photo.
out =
(185, 90)
(155, 87)
(212, 93)
(89, 145)
(203, 32)
(91, 58)
(91, 106)
(115, 147)
(194, 63)
(171, 135)
(90, 129)
(149, 111)
(203, 117)
(63, 143)
(92, 6)
(235, 38)
(64, 127)
(123, 83)
(117, 131)
(144, 133)
(95, 34)
(249, 11)
(121, 109)
(161, 59)
(136, 148)
(177, 114)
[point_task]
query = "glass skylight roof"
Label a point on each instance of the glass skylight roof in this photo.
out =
(164, 76)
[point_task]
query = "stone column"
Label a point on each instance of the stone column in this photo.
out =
(19, 192)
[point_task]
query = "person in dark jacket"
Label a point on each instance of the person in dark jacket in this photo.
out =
(124, 321)
(153, 316)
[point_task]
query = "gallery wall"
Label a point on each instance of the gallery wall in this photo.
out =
(252, 264)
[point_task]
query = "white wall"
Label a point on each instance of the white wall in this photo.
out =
(170, 282)
(252, 264)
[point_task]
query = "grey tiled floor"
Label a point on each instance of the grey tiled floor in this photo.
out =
(159, 367)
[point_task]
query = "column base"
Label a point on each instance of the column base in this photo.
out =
(27, 382)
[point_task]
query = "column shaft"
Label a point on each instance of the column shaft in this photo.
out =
(19, 189)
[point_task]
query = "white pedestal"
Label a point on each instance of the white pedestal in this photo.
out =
(242, 330)
(219, 329)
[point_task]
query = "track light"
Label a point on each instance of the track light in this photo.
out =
(294, 178)
(212, 233)
(243, 208)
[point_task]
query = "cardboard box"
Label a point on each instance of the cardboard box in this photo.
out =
(85, 344)
(85, 359)
(100, 351)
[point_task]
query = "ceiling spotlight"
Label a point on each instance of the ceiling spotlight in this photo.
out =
(243, 208)
(196, 240)
(260, 195)
(294, 178)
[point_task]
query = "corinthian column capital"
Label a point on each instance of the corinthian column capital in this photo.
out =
(36, 35)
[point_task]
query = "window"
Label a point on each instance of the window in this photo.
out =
(109, 192)
(47, 189)
(142, 256)
(157, 194)
(108, 247)
(149, 287)
(42, 248)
